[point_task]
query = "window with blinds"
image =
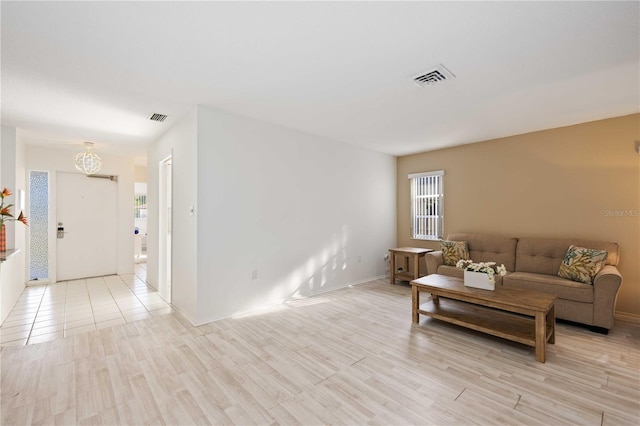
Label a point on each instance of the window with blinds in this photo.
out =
(140, 206)
(427, 205)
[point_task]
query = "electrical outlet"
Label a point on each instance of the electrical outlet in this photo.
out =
(254, 274)
(386, 256)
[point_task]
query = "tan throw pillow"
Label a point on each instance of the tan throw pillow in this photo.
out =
(582, 264)
(452, 251)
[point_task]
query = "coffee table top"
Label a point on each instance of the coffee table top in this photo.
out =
(443, 285)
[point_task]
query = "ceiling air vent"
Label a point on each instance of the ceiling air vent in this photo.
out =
(436, 75)
(157, 117)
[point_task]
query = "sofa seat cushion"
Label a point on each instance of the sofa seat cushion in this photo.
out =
(452, 271)
(564, 289)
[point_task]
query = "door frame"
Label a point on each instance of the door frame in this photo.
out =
(165, 228)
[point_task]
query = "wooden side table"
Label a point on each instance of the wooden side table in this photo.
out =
(406, 252)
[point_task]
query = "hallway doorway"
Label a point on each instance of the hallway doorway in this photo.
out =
(140, 222)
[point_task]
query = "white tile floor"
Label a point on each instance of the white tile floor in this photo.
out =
(48, 312)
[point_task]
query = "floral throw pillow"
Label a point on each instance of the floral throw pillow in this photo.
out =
(582, 264)
(453, 251)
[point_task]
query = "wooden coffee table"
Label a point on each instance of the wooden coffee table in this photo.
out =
(524, 316)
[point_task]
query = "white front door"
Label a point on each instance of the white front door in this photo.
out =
(87, 213)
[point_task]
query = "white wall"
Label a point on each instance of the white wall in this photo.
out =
(12, 176)
(61, 160)
(180, 141)
(308, 214)
(8, 174)
(20, 231)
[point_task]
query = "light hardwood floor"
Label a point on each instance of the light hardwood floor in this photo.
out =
(351, 356)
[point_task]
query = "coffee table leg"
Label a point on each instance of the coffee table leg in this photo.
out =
(415, 303)
(551, 320)
(541, 336)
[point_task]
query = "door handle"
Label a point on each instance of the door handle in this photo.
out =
(60, 230)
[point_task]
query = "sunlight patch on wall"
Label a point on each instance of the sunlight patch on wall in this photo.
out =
(317, 271)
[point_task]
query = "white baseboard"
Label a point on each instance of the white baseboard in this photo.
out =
(186, 316)
(626, 317)
(368, 280)
(277, 303)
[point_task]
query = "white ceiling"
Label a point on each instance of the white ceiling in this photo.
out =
(75, 71)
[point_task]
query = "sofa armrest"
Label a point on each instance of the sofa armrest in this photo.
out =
(605, 291)
(433, 260)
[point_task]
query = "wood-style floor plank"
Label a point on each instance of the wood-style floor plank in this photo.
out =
(351, 356)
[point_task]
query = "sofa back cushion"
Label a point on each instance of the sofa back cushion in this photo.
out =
(544, 255)
(490, 248)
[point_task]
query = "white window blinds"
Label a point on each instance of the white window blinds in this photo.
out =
(427, 205)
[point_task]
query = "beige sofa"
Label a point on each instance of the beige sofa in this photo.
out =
(533, 263)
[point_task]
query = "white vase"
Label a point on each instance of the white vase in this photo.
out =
(479, 280)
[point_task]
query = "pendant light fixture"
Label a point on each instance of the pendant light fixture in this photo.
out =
(88, 162)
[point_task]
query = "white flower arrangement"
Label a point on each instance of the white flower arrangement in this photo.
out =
(488, 268)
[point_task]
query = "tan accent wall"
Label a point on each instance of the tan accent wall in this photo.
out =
(581, 181)
(141, 173)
